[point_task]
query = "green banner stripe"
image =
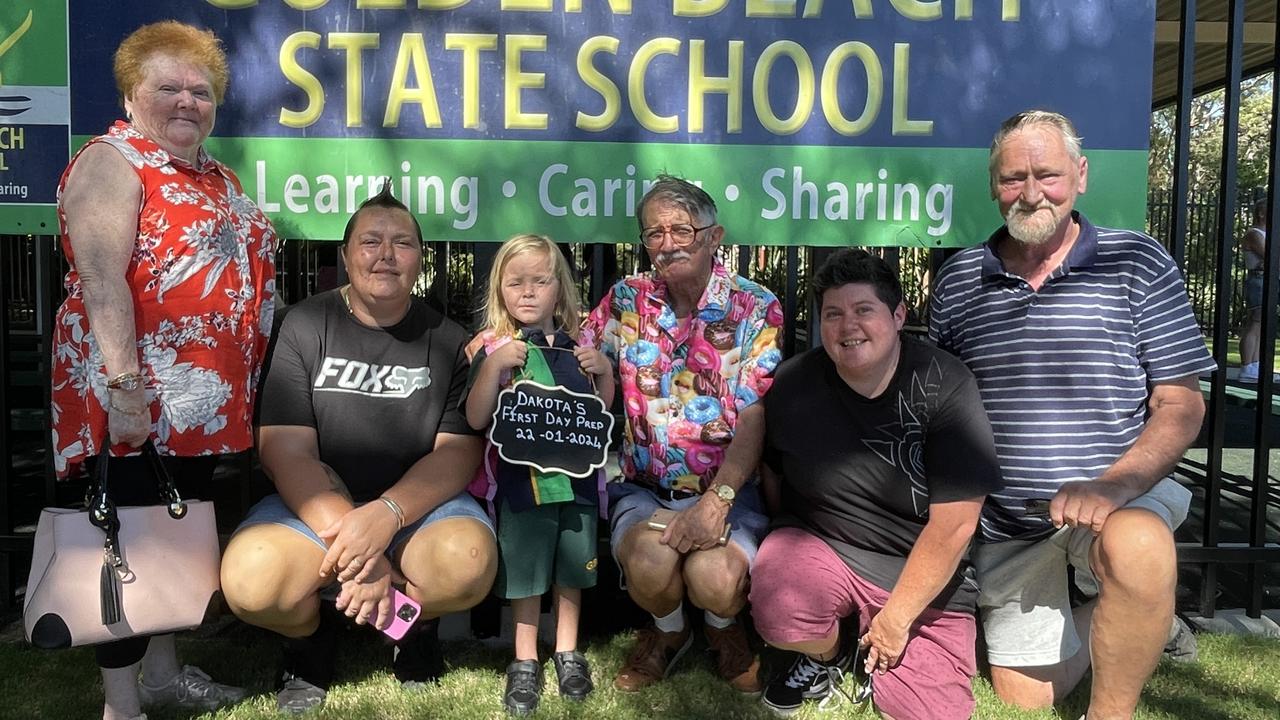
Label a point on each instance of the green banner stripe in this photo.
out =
(586, 192)
(33, 38)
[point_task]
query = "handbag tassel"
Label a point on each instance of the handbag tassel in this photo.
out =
(109, 591)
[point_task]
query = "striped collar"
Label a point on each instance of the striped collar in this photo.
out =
(1083, 254)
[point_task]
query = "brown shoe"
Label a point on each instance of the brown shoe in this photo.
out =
(736, 663)
(652, 658)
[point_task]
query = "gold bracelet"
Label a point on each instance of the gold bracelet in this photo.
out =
(126, 381)
(395, 508)
(111, 403)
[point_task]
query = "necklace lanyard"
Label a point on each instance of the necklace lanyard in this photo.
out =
(590, 378)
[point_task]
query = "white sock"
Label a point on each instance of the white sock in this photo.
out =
(717, 622)
(674, 622)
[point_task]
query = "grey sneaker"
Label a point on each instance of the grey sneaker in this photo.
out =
(297, 696)
(1182, 646)
(191, 688)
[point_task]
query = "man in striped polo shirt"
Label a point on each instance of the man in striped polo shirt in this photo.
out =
(1086, 354)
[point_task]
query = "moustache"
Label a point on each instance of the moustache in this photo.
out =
(668, 258)
(1021, 209)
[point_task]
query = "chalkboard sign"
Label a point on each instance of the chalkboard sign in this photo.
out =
(551, 428)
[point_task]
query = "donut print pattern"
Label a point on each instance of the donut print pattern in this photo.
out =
(683, 387)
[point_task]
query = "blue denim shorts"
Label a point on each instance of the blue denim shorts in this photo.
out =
(630, 503)
(1253, 291)
(271, 509)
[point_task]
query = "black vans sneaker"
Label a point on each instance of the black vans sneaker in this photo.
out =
(807, 679)
(817, 680)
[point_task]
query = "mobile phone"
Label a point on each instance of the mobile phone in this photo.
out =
(862, 679)
(404, 611)
(1036, 507)
(661, 518)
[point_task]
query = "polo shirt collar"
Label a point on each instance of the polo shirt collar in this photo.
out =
(713, 306)
(1083, 254)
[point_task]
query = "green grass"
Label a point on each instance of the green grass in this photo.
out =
(1237, 678)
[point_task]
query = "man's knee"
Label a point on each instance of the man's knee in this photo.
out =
(649, 565)
(456, 557)
(1136, 550)
(1030, 688)
(717, 579)
(269, 573)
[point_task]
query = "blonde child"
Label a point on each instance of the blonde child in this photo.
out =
(546, 521)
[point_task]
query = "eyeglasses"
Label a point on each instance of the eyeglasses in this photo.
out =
(681, 234)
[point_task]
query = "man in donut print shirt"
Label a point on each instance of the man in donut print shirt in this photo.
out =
(695, 349)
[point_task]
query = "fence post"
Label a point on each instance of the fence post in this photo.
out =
(1222, 279)
(1266, 352)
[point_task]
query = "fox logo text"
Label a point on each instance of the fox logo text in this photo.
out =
(361, 378)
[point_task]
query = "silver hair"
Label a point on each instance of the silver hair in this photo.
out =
(681, 192)
(1046, 118)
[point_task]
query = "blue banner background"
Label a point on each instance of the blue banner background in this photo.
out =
(1088, 59)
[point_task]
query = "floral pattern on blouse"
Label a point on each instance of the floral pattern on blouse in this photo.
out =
(202, 280)
(683, 384)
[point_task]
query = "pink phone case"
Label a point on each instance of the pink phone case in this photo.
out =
(404, 611)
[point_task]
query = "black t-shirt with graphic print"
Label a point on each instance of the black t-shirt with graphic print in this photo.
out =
(377, 397)
(860, 474)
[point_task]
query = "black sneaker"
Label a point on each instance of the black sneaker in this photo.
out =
(524, 687)
(416, 660)
(807, 679)
(573, 675)
(308, 668)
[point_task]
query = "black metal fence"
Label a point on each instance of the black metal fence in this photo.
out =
(1202, 247)
(1235, 538)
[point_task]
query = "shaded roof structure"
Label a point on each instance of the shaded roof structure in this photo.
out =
(1212, 20)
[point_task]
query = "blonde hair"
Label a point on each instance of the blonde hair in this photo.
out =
(170, 37)
(567, 313)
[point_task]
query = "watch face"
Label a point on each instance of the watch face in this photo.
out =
(725, 492)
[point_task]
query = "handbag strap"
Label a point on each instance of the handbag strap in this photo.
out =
(102, 511)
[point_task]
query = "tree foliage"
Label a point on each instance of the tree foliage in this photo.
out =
(1205, 167)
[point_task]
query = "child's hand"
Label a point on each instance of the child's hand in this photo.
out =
(592, 361)
(511, 355)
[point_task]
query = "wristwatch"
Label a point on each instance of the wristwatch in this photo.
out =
(726, 494)
(126, 381)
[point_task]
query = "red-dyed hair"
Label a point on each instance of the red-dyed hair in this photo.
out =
(170, 37)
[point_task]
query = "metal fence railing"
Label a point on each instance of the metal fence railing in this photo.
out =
(1201, 246)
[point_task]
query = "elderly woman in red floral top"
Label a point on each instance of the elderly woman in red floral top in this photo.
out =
(168, 311)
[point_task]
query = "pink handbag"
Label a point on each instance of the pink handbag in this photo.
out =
(110, 573)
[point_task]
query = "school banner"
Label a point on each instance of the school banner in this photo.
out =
(811, 123)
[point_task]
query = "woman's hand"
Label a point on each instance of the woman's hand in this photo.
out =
(592, 361)
(509, 356)
(369, 600)
(128, 417)
(357, 541)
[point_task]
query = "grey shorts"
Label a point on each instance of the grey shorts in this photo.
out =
(1023, 596)
(272, 510)
(630, 503)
